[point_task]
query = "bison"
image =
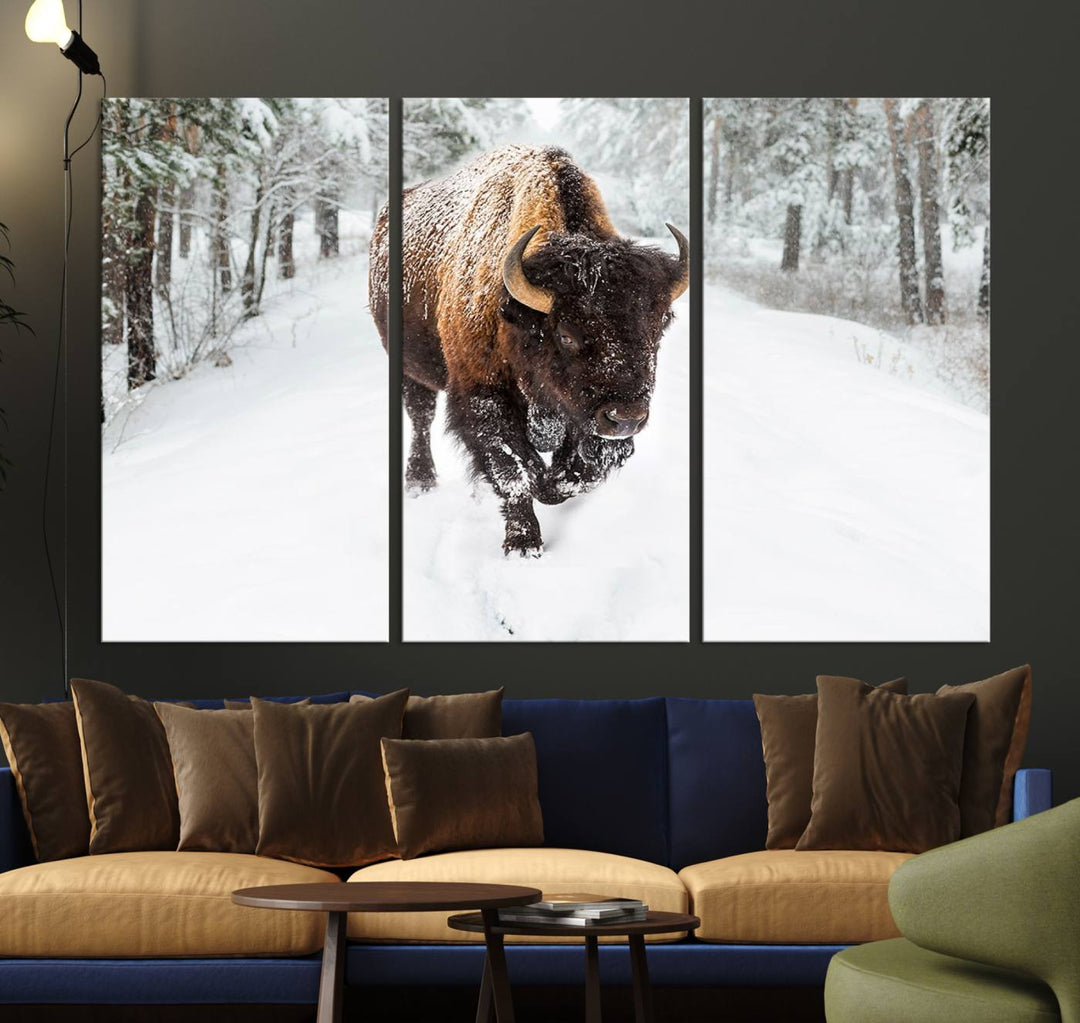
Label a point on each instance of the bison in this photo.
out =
(540, 322)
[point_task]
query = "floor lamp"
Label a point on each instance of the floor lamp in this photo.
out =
(46, 23)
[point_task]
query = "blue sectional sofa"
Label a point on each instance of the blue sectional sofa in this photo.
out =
(661, 783)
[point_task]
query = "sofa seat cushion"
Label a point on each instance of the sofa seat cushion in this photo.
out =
(896, 980)
(152, 904)
(789, 897)
(550, 870)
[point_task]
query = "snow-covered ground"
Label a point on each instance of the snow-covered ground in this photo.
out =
(615, 563)
(249, 502)
(844, 500)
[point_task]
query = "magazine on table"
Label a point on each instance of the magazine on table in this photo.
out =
(576, 909)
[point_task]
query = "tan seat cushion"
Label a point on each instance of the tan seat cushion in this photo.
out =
(151, 904)
(550, 870)
(785, 896)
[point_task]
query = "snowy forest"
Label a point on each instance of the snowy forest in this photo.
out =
(203, 200)
(847, 370)
(616, 560)
(873, 210)
(244, 386)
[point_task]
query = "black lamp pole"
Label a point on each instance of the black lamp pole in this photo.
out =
(45, 22)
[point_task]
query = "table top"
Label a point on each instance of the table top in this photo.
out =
(655, 922)
(385, 896)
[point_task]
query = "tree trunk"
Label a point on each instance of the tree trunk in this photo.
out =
(983, 308)
(268, 247)
(247, 287)
(166, 202)
(113, 247)
(139, 294)
(326, 223)
(163, 267)
(714, 167)
(187, 200)
(930, 213)
(847, 175)
(219, 254)
(192, 141)
(792, 238)
(286, 263)
(847, 191)
(905, 215)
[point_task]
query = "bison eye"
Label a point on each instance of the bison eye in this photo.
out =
(569, 343)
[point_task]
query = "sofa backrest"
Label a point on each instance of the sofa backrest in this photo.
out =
(603, 772)
(216, 703)
(673, 781)
(716, 779)
(15, 847)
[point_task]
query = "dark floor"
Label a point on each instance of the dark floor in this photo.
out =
(457, 1005)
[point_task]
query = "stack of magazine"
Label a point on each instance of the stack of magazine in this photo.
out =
(575, 909)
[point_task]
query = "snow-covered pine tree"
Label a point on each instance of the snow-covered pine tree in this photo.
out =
(438, 133)
(639, 150)
(139, 158)
(966, 134)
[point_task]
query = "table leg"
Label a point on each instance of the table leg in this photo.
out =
(485, 1006)
(592, 980)
(500, 978)
(643, 1010)
(331, 982)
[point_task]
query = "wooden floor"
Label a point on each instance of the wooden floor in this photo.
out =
(457, 1005)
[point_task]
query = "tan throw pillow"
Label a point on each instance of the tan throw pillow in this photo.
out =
(997, 733)
(457, 716)
(788, 726)
(42, 747)
(217, 780)
(463, 793)
(886, 769)
(322, 797)
(127, 770)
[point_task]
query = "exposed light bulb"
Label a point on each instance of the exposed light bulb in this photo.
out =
(45, 23)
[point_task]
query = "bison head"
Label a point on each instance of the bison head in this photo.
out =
(584, 318)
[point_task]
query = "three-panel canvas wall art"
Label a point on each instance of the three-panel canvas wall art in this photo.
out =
(546, 315)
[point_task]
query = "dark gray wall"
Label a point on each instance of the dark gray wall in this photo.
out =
(588, 47)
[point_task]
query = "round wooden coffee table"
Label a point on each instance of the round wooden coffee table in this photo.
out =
(496, 980)
(338, 900)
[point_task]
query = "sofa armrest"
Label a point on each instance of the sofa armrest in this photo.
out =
(15, 847)
(1032, 792)
(1008, 898)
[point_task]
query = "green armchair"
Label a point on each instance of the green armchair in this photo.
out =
(991, 931)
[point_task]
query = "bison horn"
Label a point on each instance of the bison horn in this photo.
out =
(518, 284)
(684, 263)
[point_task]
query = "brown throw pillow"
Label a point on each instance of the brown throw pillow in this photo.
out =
(127, 770)
(458, 716)
(886, 769)
(322, 797)
(42, 747)
(788, 726)
(997, 733)
(217, 781)
(463, 793)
